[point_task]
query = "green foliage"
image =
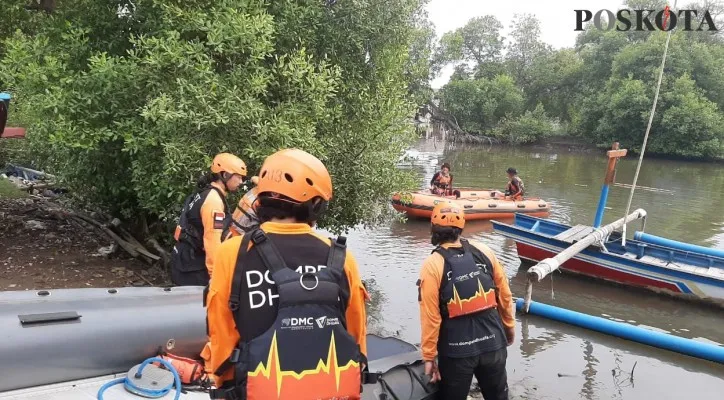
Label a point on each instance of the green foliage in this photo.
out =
(479, 105)
(420, 67)
(479, 41)
(528, 127)
(692, 125)
(602, 89)
(525, 47)
(128, 109)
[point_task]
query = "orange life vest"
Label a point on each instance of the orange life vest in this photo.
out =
(244, 218)
(443, 181)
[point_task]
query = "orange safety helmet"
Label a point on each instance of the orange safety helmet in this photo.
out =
(448, 214)
(295, 174)
(226, 162)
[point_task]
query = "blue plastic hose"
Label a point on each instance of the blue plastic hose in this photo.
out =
(677, 344)
(146, 392)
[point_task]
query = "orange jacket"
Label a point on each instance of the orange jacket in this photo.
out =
(223, 335)
(212, 208)
(430, 279)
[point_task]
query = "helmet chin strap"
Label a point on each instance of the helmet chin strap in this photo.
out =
(224, 180)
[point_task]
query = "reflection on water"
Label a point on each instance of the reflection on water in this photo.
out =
(551, 360)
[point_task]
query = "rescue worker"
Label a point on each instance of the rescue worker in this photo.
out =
(441, 182)
(204, 217)
(285, 306)
(466, 311)
(515, 189)
(244, 217)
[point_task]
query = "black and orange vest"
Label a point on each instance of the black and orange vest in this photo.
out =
(307, 353)
(513, 186)
(443, 181)
(471, 324)
(189, 232)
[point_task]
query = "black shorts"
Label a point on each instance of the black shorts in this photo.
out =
(488, 368)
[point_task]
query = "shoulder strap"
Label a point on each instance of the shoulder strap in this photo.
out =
(223, 198)
(185, 209)
(270, 256)
(478, 255)
(445, 253)
(337, 253)
(235, 297)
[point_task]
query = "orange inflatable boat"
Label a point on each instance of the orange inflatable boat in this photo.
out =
(478, 204)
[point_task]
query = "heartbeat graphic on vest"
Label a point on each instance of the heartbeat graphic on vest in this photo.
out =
(328, 380)
(477, 302)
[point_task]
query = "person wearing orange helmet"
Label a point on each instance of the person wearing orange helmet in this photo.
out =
(466, 311)
(204, 216)
(285, 306)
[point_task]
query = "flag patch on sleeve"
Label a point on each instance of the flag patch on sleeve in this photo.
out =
(219, 220)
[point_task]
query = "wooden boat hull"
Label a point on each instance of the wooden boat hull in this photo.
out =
(478, 205)
(659, 269)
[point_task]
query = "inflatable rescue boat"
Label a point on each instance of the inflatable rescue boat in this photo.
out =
(70, 343)
(478, 204)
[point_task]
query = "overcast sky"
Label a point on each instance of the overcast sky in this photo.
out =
(558, 20)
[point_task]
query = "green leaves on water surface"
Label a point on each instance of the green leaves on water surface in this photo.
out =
(129, 104)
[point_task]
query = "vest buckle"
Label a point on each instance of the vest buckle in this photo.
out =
(369, 377)
(235, 356)
(224, 394)
(258, 237)
(233, 305)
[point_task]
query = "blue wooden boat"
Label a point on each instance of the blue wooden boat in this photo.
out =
(681, 273)
(651, 262)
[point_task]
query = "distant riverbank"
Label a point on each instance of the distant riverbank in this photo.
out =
(576, 144)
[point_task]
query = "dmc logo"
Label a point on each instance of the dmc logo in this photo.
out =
(647, 20)
(286, 322)
(321, 321)
(301, 321)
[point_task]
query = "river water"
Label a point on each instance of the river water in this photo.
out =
(550, 360)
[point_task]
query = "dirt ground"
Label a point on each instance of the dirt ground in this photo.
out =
(40, 251)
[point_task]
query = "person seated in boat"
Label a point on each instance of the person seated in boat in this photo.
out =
(284, 294)
(466, 311)
(204, 217)
(515, 188)
(442, 182)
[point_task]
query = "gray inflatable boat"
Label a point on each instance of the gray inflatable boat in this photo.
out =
(66, 343)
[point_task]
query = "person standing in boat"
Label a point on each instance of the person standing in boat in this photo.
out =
(442, 182)
(466, 311)
(515, 188)
(283, 297)
(204, 216)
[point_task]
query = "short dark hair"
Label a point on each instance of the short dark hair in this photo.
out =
(512, 170)
(270, 207)
(445, 165)
(444, 234)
